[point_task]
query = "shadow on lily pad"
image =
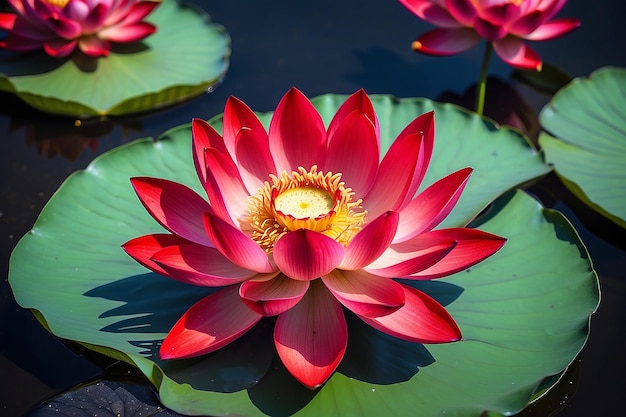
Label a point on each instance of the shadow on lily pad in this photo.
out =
(87, 63)
(152, 303)
(278, 393)
(235, 367)
(13, 64)
(443, 292)
(377, 358)
(371, 356)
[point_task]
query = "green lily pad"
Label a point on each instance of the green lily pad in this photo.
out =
(186, 56)
(524, 313)
(586, 140)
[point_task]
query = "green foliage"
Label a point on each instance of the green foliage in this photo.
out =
(586, 140)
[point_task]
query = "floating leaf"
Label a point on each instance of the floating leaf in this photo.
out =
(586, 122)
(186, 56)
(524, 313)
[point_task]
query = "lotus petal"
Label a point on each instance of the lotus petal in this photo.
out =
(211, 323)
(311, 338)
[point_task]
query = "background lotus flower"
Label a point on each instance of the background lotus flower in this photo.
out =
(303, 222)
(506, 24)
(61, 26)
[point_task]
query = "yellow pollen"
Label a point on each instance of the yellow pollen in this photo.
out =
(58, 3)
(303, 200)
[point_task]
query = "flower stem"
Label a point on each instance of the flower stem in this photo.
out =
(482, 83)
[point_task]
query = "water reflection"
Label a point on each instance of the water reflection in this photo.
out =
(59, 136)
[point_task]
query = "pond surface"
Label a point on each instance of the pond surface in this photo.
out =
(319, 47)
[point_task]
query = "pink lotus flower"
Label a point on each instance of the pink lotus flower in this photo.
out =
(60, 26)
(302, 221)
(504, 23)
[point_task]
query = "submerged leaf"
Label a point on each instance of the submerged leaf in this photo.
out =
(103, 398)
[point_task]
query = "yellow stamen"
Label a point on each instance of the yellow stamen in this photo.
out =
(58, 3)
(303, 200)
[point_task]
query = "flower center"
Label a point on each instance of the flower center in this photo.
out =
(303, 200)
(58, 3)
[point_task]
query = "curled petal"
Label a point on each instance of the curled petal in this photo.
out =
(66, 28)
(553, 29)
(297, 135)
(550, 8)
(7, 21)
(353, 151)
(400, 262)
(305, 255)
(501, 14)
(363, 293)
(224, 186)
(93, 20)
(37, 12)
(200, 265)
(403, 167)
(211, 323)
(176, 207)
(473, 246)
(17, 5)
(423, 125)
(139, 10)
(274, 296)
(420, 320)
(254, 159)
(237, 116)
(143, 248)
(358, 101)
(516, 53)
(432, 205)
(235, 245)
(526, 23)
(311, 338)
(462, 10)
(431, 12)
(60, 48)
(128, 32)
(203, 137)
(370, 242)
(443, 41)
(24, 29)
(489, 30)
(93, 46)
(396, 174)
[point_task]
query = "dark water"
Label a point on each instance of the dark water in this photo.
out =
(320, 47)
